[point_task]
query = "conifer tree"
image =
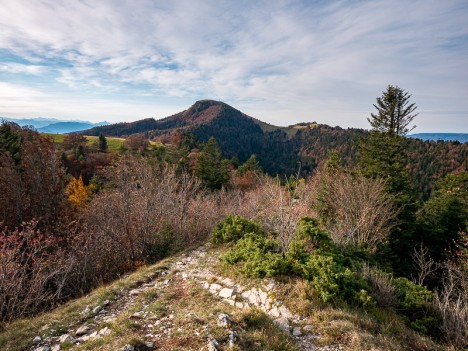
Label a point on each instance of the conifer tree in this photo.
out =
(102, 143)
(382, 155)
(212, 170)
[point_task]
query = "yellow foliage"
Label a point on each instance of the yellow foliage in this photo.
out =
(78, 193)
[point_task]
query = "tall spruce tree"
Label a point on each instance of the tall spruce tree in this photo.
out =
(102, 143)
(394, 112)
(212, 170)
(382, 155)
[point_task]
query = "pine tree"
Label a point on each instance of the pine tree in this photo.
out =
(395, 113)
(212, 170)
(102, 143)
(382, 155)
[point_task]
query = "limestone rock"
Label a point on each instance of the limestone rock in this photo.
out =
(85, 329)
(37, 339)
(296, 331)
(128, 347)
(224, 320)
(283, 324)
(66, 338)
(226, 293)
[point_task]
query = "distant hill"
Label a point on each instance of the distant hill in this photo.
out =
(68, 127)
(54, 125)
(287, 150)
(461, 137)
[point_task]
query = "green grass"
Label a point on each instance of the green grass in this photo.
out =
(113, 144)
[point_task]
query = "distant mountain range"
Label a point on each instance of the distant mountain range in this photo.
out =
(461, 137)
(54, 125)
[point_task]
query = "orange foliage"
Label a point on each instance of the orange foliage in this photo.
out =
(78, 193)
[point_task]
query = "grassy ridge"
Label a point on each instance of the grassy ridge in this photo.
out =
(113, 144)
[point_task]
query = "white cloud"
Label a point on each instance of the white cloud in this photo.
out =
(283, 61)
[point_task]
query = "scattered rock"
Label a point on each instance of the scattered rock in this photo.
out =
(308, 328)
(56, 348)
(86, 311)
(66, 338)
(135, 292)
(285, 312)
(85, 329)
(226, 293)
(274, 312)
(283, 323)
(37, 339)
(43, 348)
(104, 331)
(224, 320)
(212, 345)
(128, 347)
(215, 287)
(149, 344)
(97, 309)
(297, 331)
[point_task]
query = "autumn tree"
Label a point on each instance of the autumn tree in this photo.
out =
(78, 193)
(32, 182)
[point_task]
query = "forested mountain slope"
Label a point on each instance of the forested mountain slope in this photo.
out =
(287, 150)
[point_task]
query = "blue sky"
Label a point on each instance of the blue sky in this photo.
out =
(280, 61)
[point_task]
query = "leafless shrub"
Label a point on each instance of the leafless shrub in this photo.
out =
(424, 263)
(276, 208)
(354, 210)
(32, 271)
(384, 292)
(451, 302)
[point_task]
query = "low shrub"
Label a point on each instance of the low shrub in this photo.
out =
(233, 228)
(260, 256)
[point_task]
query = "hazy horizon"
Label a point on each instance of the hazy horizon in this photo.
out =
(282, 63)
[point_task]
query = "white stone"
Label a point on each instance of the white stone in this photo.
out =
(224, 320)
(135, 292)
(285, 312)
(283, 324)
(226, 293)
(97, 309)
(274, 312)
(128, 347)
(149, 344)
(104, 331)
(308, 328)
(37, 339)
(84, 329)
(263, 296)
(215, 287)
(43, 348)
(229, 301)
(296, 331)
(56, 348)
(66, 338)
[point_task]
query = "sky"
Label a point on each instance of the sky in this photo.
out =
(282, 62)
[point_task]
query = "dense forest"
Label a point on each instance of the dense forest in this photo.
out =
(372, 219)
(286, 151)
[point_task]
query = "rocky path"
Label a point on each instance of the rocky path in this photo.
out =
(195, 266)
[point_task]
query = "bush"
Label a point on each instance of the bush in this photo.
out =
(415, 301)
(259, 254)
(233, 228)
